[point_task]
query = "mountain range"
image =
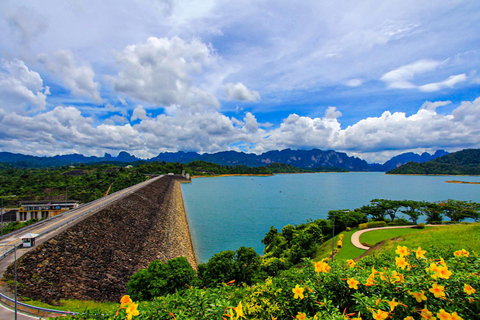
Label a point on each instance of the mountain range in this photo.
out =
(307, 159)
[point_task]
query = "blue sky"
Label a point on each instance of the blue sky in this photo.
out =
(372, 80)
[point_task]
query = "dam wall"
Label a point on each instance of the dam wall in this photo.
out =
(94, 259)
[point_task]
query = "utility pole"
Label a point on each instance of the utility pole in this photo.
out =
(3, 209)
(15, 257)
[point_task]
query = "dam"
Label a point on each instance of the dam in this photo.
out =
(94, 259)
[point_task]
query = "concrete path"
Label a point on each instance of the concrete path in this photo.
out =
(356, 236)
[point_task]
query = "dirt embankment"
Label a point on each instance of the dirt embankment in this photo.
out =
(94, 259)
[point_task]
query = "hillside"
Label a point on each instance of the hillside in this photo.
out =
(405, 158)
(465, 162)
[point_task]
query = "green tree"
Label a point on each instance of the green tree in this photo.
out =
(412, 209)
(159, 279)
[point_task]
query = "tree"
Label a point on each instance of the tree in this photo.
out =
(243, 266)
(388, 207)
(433, 212)
(159, 279)
(412, 209)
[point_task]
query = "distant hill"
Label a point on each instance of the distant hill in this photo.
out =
(465, 162)
(307, 159)
(404, 158)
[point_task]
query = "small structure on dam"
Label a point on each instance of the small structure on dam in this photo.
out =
(94, 259)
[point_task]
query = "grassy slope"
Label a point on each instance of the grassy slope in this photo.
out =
(373, 237)
(456, 237)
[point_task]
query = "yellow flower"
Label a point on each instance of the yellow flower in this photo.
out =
(392, 304)
(462, 253)
(298, 292)
(408, 318)
(402, 251)
(455, 316)
(132, 310)
(370, 280)
(420, 253)
(442, 262)
(380, 315)
(351, 263)
(397, 277)
(352, 283)
(301, 316)
(401, 263)
(426, 314)
(442, 272)
(468, 289)
(239, 309)
(443, 315)
(438, 291)
(125, 300)
(419, 296)
(321, 266)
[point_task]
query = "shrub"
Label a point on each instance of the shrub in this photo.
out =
(376, 224)
(160, 278)
(420, 226)
(362, 226)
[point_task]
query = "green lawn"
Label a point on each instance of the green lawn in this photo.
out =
(348, 251)
(372, 237)
(76, 305)
(456, 237)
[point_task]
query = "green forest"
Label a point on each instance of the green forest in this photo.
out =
(465, 162)
(87, 182)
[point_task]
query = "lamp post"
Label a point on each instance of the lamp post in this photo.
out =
(333, 237)
(66, 194)
(15, 257)
(4, 210)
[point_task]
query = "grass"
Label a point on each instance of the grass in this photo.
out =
(76, 305)
(372, 237)
(456, 237)
(348, 251)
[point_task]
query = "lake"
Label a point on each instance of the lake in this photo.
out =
(225, 213)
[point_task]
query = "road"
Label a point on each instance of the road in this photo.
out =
(49, 228)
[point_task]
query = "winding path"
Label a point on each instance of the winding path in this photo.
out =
(356, 236)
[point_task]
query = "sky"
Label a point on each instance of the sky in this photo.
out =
(372, 79)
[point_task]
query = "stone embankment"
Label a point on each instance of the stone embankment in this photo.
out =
(94, 259)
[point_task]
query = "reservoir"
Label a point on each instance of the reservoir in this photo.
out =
(225, 213)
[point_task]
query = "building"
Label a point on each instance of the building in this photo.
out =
(44, 209)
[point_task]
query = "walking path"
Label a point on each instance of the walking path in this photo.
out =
(356, 236)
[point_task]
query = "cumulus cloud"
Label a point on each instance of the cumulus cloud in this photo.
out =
(65, 128)
(21, 89)
(161, 72)
(139, 113)
(401, 78)
(240, 92)
(79, 79)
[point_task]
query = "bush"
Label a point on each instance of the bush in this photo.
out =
(362, 226)
(420, 226)
(159, 279)
(376, 224)
(400, 222)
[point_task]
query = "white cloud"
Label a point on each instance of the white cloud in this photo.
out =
(432, 106)
(139, 113)
(79, 79)
(161, 72)
(354, 82)
(332, 113)
(240, 92)
(21, 89)
(402, 78)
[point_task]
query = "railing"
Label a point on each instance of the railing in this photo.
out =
(37, 310)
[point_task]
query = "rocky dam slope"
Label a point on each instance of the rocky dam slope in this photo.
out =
(94, 259)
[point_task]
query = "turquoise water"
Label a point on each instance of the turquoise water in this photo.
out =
(225, 213)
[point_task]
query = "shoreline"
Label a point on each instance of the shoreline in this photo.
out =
(182, 214)
(466, 182)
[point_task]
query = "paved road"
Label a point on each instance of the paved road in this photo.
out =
(356, 236)
(9, 314)
(49, 228)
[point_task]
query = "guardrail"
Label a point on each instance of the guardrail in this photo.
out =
(37, 310)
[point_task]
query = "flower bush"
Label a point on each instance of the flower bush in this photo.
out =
(412, 283)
